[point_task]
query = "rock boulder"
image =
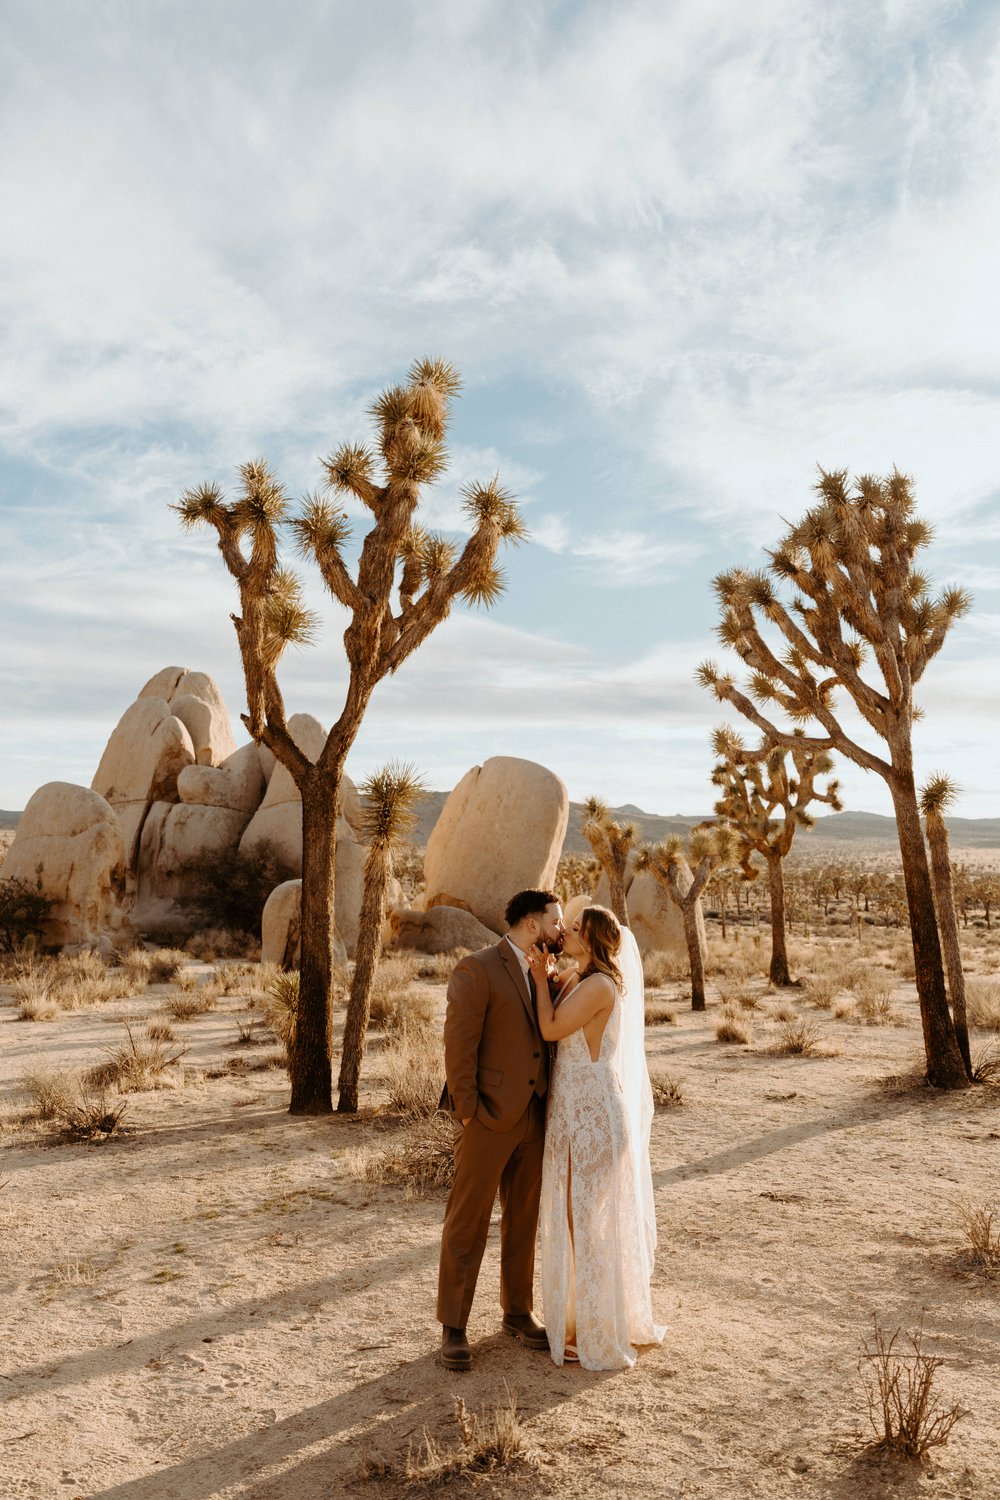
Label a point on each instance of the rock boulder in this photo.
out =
(440, 930)
(501, 830)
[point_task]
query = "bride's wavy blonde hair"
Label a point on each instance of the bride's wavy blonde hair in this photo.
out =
(602, 933)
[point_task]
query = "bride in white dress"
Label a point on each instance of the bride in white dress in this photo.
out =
(597, 1219)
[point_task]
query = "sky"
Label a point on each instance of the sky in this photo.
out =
(681, 251)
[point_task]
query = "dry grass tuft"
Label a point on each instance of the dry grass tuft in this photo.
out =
(732, 1028)
(981, 1224)
(487, 1443)
(160, 1031)
(822, 991)
(667, 1092)
(797, 1038)
(412, 1008)
(438, 965)
(419, 1158)
(661, 968)
(198, 1001)
(659, 1013)
(136, 965)
(165, 964)
(414, 1072)
(134, 1065)
(783, 1011)
(982, 1000)
(70, 1100)
(738, 997)
(907, 1418)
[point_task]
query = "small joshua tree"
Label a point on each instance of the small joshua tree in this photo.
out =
(391, 795)
(405, 583)
(710, 851)
(764, 805)
(612, 843)
(859, 601)
(936, 796)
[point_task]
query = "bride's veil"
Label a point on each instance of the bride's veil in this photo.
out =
(630, 1065)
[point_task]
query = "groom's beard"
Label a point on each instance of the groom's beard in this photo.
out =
(555, 946)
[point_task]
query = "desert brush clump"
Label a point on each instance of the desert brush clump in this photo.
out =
(70, 1100)
(980, 1223)
(166, 963)
(659, 969)
(23, 913)
(797, 1037)
(983, 1003)
(409, 1008)
(413, 1065)
(418, 1158)
(136, 1064)
(487, 1443)
(667, 1092)
(659, 1013)
(908, 1419)
(197, 1001)
(731, 1027)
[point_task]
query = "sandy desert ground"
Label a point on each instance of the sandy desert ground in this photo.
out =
(210, 1303)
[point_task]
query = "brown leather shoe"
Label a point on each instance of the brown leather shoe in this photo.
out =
(526, 1327)
(455, 1351)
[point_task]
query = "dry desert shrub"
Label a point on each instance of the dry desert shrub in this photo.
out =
(197, 1001)
(135, 1065)
(34, 998)
(414, 1072)
(738, 997)
(241, 978)
(45, 987)
(659, 1013)
(731, 1027)
(419, 1158)
(844, 1010)
(223, 942)
(821, 990)
(412, 1008)
(982, 1000)
(280, 1005)
(160, 1031)
(69, 1100)
(784, 1012)
(438, 965)
(797, 1038)
(986, 1064)
(487, 1443)
(980, 1223)
(661, 968)
(667, 1092)
(136, 964)
(907, 1418)
(165, 964)
(731, 964)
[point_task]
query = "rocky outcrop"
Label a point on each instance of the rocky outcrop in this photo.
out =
(194, 699)
(443, 929)
(177, 840)
(142, 760)
(501, 830)
(69, 846)
(652, 916)
(278, 820)
(280, 938)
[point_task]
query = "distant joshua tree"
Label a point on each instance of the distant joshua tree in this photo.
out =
(710, 851)
(405, 583)
(936, 796)
(858, 599)
(390, 797)
(764, 805)
(612, 843)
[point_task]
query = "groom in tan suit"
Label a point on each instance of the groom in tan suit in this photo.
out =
(497, 1072)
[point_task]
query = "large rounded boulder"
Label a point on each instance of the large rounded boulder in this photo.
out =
(69, 847)
(500, 831)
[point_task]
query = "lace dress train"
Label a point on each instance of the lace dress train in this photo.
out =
(594, 1161)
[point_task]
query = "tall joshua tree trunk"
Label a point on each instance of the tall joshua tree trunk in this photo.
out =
(710, 849)
(390, 797)
(311, 1070)
(945, 1065)
(778, 973)
(938, 793)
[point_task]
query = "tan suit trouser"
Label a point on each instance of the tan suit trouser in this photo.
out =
(485, 1161)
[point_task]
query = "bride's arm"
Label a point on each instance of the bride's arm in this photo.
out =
(591, 996)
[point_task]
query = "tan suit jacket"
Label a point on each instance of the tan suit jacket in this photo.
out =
(494, 1055)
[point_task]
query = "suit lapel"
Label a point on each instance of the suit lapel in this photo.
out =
(516, 976)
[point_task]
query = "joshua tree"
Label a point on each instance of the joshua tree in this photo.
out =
(936, 796)
(858, 598)
(763, 804)
(390, 798)
(612, 843)
(405, 583)
(710, 850)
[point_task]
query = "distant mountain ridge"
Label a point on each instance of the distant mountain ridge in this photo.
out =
(837, 828)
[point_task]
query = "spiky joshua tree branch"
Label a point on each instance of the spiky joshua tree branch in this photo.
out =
(709, 850)
(612, 843)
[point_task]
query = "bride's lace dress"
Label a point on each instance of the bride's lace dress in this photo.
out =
(592, 1153)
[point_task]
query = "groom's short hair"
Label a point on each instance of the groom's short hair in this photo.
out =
(528, 904)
